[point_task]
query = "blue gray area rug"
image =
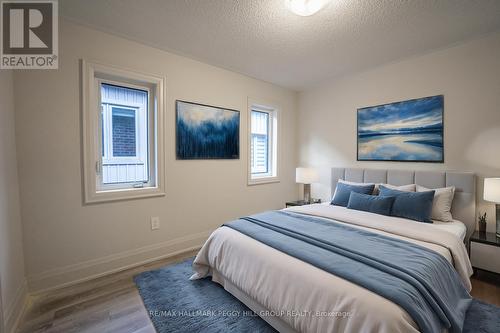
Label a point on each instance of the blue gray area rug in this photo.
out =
(176, 304)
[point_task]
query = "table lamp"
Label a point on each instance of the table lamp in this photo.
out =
(306, 176)
(492, 193)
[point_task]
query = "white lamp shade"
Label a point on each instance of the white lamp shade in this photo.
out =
(306, 175)
(492, 189)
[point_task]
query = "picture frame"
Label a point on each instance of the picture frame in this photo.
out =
(404, 131)
(206, 132)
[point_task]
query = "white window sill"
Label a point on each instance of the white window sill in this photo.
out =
(124, 194)
(263, 180)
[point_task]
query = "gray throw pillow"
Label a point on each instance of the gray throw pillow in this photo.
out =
(441, 205)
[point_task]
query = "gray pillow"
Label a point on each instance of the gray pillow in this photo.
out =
(441, 205)
(404, 188)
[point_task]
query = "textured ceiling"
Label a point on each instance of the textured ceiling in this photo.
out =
(262, 39)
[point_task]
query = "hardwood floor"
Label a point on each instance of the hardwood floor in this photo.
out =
(112, 304)
(486, 287)
(109, 304)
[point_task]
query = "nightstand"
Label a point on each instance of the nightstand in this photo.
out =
(485, 251)
(301, 203)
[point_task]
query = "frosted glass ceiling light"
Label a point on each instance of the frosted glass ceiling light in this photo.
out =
(305, 7)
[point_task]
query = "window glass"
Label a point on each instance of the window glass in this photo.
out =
(124, 132)
(259, 142)
(124, 135)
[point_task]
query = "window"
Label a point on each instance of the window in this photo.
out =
(123, 134)
(124, 131)
(260, 143)
(263, 145)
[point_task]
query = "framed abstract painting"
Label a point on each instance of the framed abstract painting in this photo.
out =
(408, 131)
(206, 132)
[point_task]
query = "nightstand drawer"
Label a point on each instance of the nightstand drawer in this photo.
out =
(485, 256)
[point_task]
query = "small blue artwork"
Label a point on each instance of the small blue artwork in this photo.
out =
(408, 131)
(206, 132)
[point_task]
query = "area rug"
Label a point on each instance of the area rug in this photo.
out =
(176, 304)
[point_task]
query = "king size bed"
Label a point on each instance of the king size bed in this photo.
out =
(329, 268)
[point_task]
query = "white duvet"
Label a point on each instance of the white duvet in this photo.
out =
(309, 299)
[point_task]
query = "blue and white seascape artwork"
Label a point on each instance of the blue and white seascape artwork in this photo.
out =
(206, 132)
(410, 131)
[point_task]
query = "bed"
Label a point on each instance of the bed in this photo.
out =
(294, 295)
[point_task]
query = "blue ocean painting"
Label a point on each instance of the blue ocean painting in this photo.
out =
(402, 131)
(206, 132)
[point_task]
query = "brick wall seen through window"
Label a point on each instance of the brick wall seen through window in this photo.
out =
(124, 136)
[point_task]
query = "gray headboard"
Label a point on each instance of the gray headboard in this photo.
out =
(464, 203)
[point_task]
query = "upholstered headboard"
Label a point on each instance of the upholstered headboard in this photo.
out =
(464, 202)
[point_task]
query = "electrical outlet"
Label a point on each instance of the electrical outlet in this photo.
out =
(155, 223)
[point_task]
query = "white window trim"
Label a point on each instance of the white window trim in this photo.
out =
(274, 143)
(91, 109)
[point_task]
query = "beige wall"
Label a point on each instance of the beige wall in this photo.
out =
(66, 240)
(12, 279)
(468, 75)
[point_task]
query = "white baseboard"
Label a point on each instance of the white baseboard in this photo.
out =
(15, 310)
(72, 274)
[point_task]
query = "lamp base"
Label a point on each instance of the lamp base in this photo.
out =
(498, 220)
(307, 194)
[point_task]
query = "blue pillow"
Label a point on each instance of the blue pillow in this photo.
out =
(411, 205)
(341, 197)
(371, 203)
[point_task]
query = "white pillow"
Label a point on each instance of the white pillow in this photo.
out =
(441, 205)
(405, 188)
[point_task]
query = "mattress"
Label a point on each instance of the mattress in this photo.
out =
(455, 227)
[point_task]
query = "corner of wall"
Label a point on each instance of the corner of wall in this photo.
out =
(14, 285)
(15, 310)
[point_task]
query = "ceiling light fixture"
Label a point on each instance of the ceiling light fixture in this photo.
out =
(305, 7)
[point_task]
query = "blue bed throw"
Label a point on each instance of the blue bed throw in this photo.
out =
(419, 280)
